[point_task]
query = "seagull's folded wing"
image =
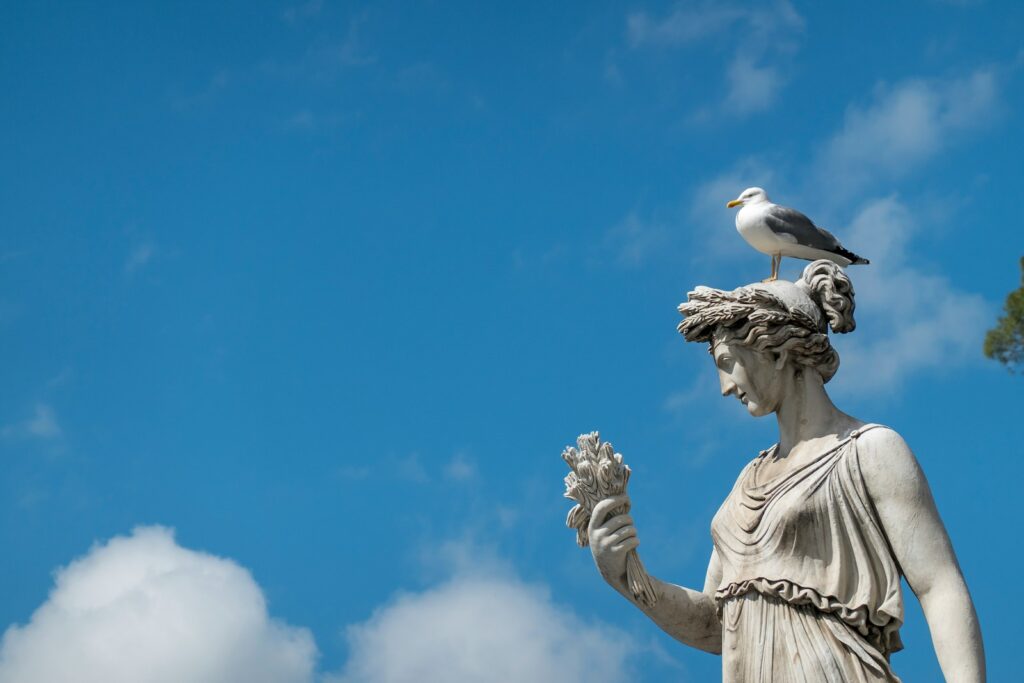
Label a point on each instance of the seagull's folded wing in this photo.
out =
(793, 226)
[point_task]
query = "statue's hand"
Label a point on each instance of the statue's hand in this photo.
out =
(611, 539)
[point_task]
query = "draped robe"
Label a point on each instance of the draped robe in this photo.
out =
(810, 589)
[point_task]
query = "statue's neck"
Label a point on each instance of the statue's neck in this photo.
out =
(807, 412)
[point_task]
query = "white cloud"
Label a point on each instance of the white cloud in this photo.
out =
(908, 319)
(460, 468)
(325, 61)
(634, 240)
(905, 125)
(142, 609)
(685, 24)
(306, 10)
(701, 388)
(705, 229)
(411, 469)
(302, 119)
(422, 77)
(692, 22)
(483, 629)
(613, 73)
(507, 516)
(757, 35)
(350, 52)
(352, 472)
(42, 425)
(139, 257)
(701, 410)
(216, 84)
(751, 87)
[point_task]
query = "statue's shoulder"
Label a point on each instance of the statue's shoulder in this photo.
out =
(876, 439)
(886, 460)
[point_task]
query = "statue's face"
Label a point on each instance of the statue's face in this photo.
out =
(750, 376)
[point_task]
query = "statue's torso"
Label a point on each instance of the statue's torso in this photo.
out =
(805, 550)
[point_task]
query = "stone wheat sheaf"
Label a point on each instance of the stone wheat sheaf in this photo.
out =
(598, 473)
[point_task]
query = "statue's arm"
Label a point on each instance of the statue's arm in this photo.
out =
(687, 615)
(922, 547)
(690, 616)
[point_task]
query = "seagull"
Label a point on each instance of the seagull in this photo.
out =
(780, 231)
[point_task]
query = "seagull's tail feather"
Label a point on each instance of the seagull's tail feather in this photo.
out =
(849, 255)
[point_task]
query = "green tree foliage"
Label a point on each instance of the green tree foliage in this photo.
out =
(1005, 341)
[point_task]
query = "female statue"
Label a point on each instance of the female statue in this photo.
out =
(810, 544)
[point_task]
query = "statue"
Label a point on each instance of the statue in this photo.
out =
(810, 544)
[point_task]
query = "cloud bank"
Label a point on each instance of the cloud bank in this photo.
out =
(142, 609)
(917, 319)
(905, 125)
(42, 425)
(763, 36)
(483, 629)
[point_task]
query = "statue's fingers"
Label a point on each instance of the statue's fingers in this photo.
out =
(617, 522)
(623, 533)
(606, 506)
(627, 545)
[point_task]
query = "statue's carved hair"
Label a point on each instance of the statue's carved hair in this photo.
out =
(777, 316)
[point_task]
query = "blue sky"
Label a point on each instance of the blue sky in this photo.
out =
(325, 288)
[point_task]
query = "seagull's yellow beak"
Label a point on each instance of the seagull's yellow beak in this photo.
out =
(734, 203)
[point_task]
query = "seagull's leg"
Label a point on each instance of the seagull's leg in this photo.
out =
(775, 269)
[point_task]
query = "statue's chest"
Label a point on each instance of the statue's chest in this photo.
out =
(782, 511)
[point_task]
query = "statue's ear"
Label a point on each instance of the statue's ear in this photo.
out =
(780, 358)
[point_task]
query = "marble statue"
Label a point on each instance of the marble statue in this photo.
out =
(810, 544)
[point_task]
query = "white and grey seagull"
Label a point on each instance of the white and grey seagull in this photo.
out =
(780, 231)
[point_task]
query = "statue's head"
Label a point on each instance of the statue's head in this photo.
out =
(761, 331)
